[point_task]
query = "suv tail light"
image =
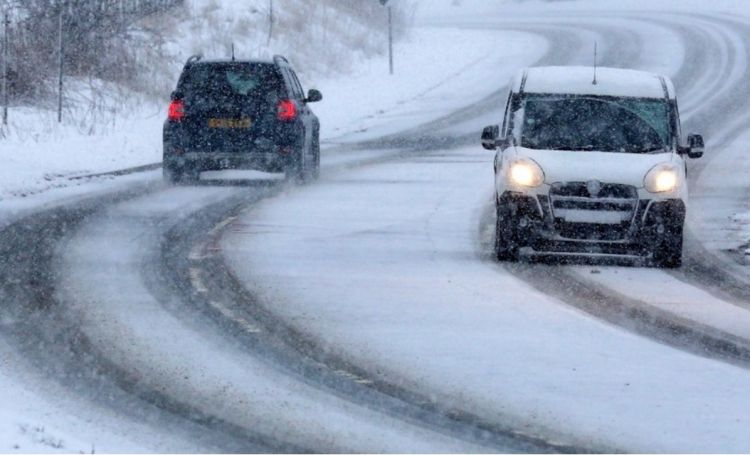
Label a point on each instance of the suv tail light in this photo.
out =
(176, 111)
(287, 110)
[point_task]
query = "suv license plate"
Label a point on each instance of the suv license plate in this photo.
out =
(230, 123)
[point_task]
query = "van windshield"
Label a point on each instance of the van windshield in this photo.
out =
(627, 125)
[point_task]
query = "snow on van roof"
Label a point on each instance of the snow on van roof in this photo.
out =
(578, 80)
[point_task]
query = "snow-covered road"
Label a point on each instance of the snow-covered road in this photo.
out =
(389, 267)
(363, 312)
(404, 289)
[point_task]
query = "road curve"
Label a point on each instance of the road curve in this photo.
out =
(181, 276)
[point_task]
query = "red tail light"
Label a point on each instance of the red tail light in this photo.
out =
(287, 110)
(176, 111)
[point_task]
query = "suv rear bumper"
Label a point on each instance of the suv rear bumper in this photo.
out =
(270, 152)
(268, 161)
(534, 229)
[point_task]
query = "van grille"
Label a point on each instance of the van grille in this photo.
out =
(593, 210)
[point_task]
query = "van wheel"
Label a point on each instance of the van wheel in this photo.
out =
(506, 248)
(668, 254)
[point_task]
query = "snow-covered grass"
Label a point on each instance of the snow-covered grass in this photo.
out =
(319, 37)
(38, 154)
(437, 70)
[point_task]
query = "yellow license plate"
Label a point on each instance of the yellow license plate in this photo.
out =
(230, 123)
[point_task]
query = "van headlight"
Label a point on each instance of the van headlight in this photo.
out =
(525, 172)
(662, 178)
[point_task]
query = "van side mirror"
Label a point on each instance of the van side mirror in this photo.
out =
(696, 146)
(489, 137)
(313, 96)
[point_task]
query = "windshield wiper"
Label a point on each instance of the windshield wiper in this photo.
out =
(649, 148)
(652, 148)
(585, 148)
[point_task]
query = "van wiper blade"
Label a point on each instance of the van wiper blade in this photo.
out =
(587, 148)
(651, 148)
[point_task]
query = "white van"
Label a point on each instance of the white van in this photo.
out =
(591, 162)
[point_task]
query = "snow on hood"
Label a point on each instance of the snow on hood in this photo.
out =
(581, 166)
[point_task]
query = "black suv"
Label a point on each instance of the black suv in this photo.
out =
(231, 114)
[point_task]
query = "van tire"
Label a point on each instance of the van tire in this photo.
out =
(668, 253)
(506, 247)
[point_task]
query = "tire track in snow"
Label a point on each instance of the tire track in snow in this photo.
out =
(225, 300)
(49, 335)
(604, 303)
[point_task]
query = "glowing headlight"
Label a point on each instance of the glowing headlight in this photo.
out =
(526, 172)
(661, 179)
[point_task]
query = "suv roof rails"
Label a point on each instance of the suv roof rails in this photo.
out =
(193, 59)
(280, 58)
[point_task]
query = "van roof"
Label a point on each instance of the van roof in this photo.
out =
(578, 80)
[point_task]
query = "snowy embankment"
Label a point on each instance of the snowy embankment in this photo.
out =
(40, 157)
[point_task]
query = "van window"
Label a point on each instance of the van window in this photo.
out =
(631, 125)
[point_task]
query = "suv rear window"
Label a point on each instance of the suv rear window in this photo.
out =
(232, 80)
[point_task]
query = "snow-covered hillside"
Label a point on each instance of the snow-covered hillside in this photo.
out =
(108, 127)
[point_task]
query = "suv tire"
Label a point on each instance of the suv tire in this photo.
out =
(294, 169)
(171, 175)
(315, 171)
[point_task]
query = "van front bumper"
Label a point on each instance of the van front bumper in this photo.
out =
(535, 227)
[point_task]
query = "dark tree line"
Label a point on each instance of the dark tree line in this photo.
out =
(97, 40)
